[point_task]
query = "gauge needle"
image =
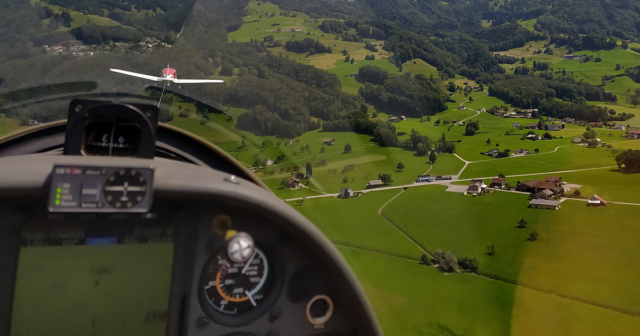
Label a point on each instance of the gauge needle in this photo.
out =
(244, 269)
(250, 298)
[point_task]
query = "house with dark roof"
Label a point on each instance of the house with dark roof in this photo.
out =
(595, 124)
(544, 185)
(291, 183)
(345, 192)
(553, 127)
(426, 178)
(619, 127)
(298, 175)
(328, 141)
(543, 194)
(633, 134)
(374, 184)
(567, 120)
(532, 126)
(521, 152)
(596, 201)
(497, 182)
(476, 186)
(556, 180)
(453, 121)
(544, 204)
(493, 152)
(515, 124)
(529, 186)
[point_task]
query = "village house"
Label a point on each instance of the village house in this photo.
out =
(374, 184)
(619, 127)
(288, 143)
(403, 118)
(567, 120)
(497, 183)
(291, 183)
(577, 140)
(476, 87)
(453, 121)
(32, 122)
(444, 177)
(461, 108)
(268, 162)
(553, 127)
(354, 74)
(633, 134)
(516, 124)
(476, 186)
(532, 126)
(468, 88)
(595, 124)
(345, 192)
(392, 119)
(521, 152)
(544, 204)
(493, 152)
(534, 137)
(596, 201)
(556, 180)
(328, 141)
(500, 115)
(529, 186)
(298, 175)
(426, 178)
(544, 194)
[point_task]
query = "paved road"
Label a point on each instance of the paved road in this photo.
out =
(448, 183)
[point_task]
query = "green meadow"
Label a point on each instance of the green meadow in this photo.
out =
(567, 259)
(8, 125)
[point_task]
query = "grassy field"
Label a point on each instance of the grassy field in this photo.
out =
(529, 24)
(8, 125)
(421, 300)
(350, 83)
(57, 290)
(356, 221)
(79, 19)
(566, 158)
(575, 243)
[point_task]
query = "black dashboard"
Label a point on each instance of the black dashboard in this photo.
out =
(93, 245)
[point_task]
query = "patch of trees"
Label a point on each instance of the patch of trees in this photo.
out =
(584, 42)
(308, 45)
(41, 91)
(507, 36)
(373, 74)
(416, 95)
(630, 158)
(449, 262)
(96, 34)
(531, 92)
(471, 128)
(584, 112)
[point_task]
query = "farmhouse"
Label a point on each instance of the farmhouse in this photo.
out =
(534, 137)
(32, 122)
(403, 118)
(595, 124)
(354, 74)
(500, 114)
(462, 108)
(345, 192)
(596, 201)
(577, 140)
(633, 134)
(544, 194)
(529, 186)
(468, 88)
(521, 152)
(516, 124)
(497, 182)
(426, 178)
(556, 180)
(444, 177)
(544, 185)
(619, 127)
(291, 183)
(544, 204)
(567, 120)
(553, 127)
(453, 121)
(493, 152)
(532, 126)
(298, 175)
(328, 141)
(393, 119)
(374, 184)
(288, 143)
(476, 186)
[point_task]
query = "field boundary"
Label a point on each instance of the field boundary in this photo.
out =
(370, 249)
(397, 227)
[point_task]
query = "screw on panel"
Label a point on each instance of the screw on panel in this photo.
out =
(232, 179)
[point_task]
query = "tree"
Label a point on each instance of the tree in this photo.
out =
(469, 263)
(432, 157)
(347, 148)
(353, 60)
(374, 114)
(537, 150)
(451, 87)
(450, 262)
(488, 141)
(309, 170)
(630, 158)
(300, 202)
(66, 18)
(522, 223)
(547, 136)
(347, 58)
(577, 193)
(385, 178)
(426, 259)
(491, 249)
(400, 166)
(345, 180)
(501, 175)
(421, 149)
(470, 98)
(592, 143)
(635, 99)
(534, 235)
(322, 149)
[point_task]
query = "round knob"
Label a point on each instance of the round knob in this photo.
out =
(240, 247)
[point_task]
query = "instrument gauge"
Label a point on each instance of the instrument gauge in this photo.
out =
(228, 288)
